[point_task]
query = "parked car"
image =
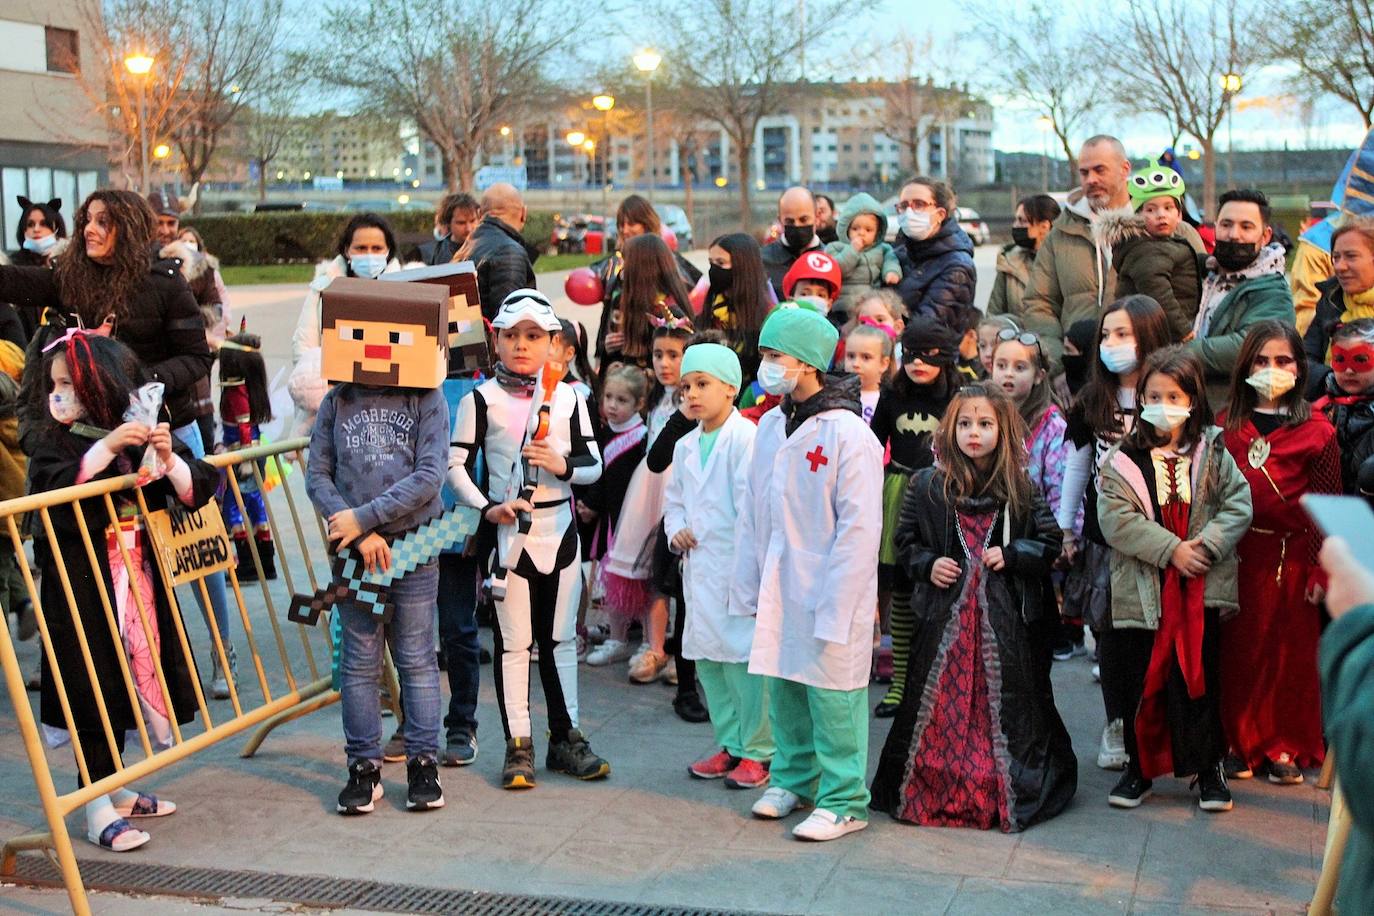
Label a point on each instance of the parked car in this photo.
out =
(973, 225)
(675, 218)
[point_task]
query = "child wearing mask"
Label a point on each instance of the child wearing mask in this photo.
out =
(1149, 256)
(865, 258)
(805, 556)
(814, 279)
(1173, 506)
(1349, 399)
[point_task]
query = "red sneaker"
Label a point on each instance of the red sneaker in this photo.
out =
(750, 774)
(715, 766)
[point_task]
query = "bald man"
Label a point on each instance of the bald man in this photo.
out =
(504, 261)
(1072, 277)
(797, 216)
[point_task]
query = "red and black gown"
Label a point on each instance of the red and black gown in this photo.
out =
(1270, 692)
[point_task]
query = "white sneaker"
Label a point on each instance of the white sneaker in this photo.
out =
(1097, 673)
(609, 652)
(1111, 751)
(822, 825)
(776, 803)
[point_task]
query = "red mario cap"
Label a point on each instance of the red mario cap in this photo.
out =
(813, 265)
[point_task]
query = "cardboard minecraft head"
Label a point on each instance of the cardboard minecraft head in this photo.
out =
(392, 335)
(467, 336)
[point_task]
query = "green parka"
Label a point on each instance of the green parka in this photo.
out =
(1142, 548)
(1013, 271)
(1166, 270)
(1254, 300)
(1347, 669)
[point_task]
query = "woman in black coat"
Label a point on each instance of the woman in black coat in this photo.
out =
(109, 276)
(1030, 746)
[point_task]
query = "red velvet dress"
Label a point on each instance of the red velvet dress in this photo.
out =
(1270, 693)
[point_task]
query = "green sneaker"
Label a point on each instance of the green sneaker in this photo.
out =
(574, 756)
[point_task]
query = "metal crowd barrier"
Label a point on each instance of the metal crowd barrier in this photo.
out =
(275, 682)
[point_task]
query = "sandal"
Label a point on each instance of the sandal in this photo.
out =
(119, 836)
(147, 806)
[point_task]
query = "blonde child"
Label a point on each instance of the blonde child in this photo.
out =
(868, 354)
(1173, 506)
(987, 331)
(977, 741)
(701, 512)
(624, 391)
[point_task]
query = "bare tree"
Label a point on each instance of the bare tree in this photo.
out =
(271, 118)
(1039, 60)
(1169, 56)
(737, 63)
(912, 107)
(459, 70)
(232, 45)
(1330, 42)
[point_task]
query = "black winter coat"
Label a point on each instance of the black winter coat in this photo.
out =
(1042, 772)
(55, 464)
(503, 261)
(1354, 424)
(1330, 306)
(939, 277)
(778, 260)
(162, 324)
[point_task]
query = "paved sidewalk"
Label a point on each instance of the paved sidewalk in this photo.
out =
(652, 835)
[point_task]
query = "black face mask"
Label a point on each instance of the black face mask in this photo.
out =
(1075, 371)
(798, 237)
(720, 278)
(1021, 236)
(1234, 256)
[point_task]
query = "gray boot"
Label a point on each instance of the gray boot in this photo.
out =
(219, 683)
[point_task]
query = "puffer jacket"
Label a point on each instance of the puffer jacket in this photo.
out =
(1071, 278)
(861, 270)
(503, 260)
(1166, 270)
(939, 277)
(1353, 417)
(1331, 308)
(1142, 548)
(1013, 270)
(161, 323)
(1254, 299)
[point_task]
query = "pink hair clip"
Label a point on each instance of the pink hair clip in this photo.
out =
(887, 329)
(61, 341)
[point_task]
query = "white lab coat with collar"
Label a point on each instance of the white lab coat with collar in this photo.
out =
(708, 500)
(806, 558)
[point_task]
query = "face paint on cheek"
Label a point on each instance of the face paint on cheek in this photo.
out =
(1352, 358)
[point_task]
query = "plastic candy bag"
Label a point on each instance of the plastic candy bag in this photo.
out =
(144, 406)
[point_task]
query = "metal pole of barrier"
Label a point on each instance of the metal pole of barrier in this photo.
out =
(1337, 835)
(248, 635)
(266, 593)
(313, 697)
(218, 649)
(59, 838)
(285, 566)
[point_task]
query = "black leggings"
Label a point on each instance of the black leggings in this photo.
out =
(99, 762)
(686, 667)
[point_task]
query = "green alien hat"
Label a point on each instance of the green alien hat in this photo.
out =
(1153, 182)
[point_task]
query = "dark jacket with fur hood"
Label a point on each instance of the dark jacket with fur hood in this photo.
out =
(1166, 270)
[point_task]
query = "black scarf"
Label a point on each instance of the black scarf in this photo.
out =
(521, 386)
(839, 390)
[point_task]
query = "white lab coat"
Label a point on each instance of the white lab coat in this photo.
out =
(806, 560)
(708, 501)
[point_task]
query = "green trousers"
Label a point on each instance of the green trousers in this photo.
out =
(822, 745)
(738, 702)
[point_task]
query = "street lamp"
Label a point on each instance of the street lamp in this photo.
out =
(1046, 124)
(603, 103)
(647, 62)
(162, 151)
(141, 65)
(1230, 88)
(575, 139)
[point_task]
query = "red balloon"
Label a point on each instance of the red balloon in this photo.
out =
(669, 236)
(583, 286)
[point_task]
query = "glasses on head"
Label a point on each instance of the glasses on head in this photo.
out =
(1025, 338)
(905, 205)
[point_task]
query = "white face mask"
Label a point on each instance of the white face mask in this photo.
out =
(191, 245)
(1272, 383)
(917, 224)
(816, 301)
(776, 378)
(1165, 417)
(1118, 358)
(65, 408)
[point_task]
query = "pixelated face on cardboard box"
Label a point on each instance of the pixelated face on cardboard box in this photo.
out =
(392, 335)
(467, 338)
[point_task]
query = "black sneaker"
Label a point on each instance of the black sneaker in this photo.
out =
(363, 789)
(573, 756)
(518, 772)
(689, 709)
(886, 708)
(1130, 791)
(1283, 772)
(422, 778)
(395, 749)
(1213, 795)
(1235, 767)
(460, 750)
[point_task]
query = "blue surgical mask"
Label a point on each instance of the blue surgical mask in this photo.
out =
(1118, 358)
(776, 378)
(40, 245)
(367, 266)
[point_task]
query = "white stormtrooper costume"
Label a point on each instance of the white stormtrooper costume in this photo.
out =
(536, 568)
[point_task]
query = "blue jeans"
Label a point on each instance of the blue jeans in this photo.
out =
(214, 583)
(458, 583)
(412, 649)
